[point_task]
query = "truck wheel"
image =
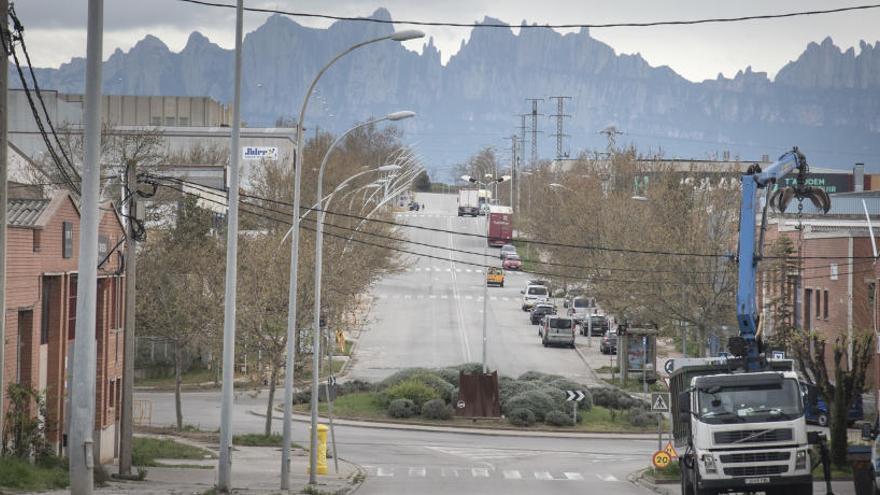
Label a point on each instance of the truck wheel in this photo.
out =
(686, 487)
(822, 419)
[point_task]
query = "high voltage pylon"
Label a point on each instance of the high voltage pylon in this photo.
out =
(611, 132)
(535, 131)
(560, 116)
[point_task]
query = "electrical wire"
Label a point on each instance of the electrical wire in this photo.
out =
(410, 22)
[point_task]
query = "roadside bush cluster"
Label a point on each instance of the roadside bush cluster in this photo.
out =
(541, 395)
(431, 392)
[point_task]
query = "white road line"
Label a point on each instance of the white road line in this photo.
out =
(468, 297)
(449, 269)
(385, 473)
(465, 346)
(505, 298)
(449, 472)
(512, 475)
(407, 296)
(420, 296)
(543, 475)
(433, 296)
(480, 472)
(418, 269)
(444, 296)
(468, 270)
(417, 472)
(606, 477)
(493, 298)
(574, 476)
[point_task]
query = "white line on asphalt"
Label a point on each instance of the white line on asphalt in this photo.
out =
(385, 473)
(493, 298)
(480, 472)
(449, 269)
(407, 296)
(418, 269)
(449, 472)
(512, 475)
(606, 477)
(574, 476)
(543, 475)
(433, 296)
(468, 297)
(466, 348)
(417, 472)
(444, 296)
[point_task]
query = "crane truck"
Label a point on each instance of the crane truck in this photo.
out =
(740, 420)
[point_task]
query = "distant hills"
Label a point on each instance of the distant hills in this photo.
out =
(827, 101)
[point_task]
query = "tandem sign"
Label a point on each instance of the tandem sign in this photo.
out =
(259, 153)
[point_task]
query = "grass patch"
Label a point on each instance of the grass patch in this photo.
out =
(260, 440)
(671, 473)
(635, 385)
(836, 472)
(21, 475)
(190, 378)
(147, 450)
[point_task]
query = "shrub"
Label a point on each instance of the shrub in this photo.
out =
(436, 409)
(402, 408)
(470, 368)
(354, 386)
(558, 418)
(510, 388)
(415, 391)
(521, 417)
(531, 376)
(450, 375)
(641, 418)
(552, 378)
(400, 376)
(443, 388)
(613, 398)
(537, 401)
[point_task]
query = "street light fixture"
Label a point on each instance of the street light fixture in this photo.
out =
(294, 258)
(319, 245)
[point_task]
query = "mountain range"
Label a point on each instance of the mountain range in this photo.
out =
(827, 101)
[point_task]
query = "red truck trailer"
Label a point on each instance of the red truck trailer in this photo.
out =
(500, 225)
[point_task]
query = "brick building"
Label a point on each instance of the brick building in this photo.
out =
(42, 254)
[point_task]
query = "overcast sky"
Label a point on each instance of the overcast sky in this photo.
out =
(55, 29)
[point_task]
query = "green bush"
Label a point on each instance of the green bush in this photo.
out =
(558, 418)
(470, 368)
(450, 375)
(537, 401)
(565, 384)
(402, 408)
(613, 398)
(436, 409)
(436, 382)
(416, 391)
(552, 378)
(354, 386)
(532, 376)
(521, 417)
(641, 418)
(510, 388)
(401, 376)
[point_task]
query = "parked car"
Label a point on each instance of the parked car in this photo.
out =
(608, 345)
(507, 250)
(597, 325)
(495, 276)
(484, 209)
(557, 330)
(539, 311)
(533, 294)
(512, 262)
(414, 206)
(816, 410)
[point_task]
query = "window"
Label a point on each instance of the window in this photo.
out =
(156, 121)
(170, 121)
(808, 301)
(71, 308)
(825, 306)
(183, 121)
(818, 303)
(48, 285)
(67, 239)
(37, 235)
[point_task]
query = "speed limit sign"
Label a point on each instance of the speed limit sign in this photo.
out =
(661, 459)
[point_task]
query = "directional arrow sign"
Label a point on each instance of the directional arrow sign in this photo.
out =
(575, 395)
(660, 401)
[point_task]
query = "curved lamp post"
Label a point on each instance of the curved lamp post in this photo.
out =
(319, 244)
(294, 248)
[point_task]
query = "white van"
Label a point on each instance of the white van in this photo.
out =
(557, 330)
(533, 294)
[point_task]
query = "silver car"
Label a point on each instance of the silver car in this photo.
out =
(507, 250)
(557, 330)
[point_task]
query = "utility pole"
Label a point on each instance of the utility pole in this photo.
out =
(224, 464)
(522, 150)
(560, 116)
(4, 166)
(129, 206)
(82, 390)
(607, 175)
(534, 160)
(514, 179)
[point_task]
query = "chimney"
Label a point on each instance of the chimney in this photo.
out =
(859, 177)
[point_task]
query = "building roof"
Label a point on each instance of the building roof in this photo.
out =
(25, 212)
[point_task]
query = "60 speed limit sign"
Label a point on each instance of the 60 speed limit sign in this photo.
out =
(661, 459)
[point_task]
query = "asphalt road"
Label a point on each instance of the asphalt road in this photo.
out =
(431, 314)
(405, 462)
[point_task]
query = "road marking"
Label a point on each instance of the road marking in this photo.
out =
(462, 335)
(468, 270)
(417, 472)
(543, 475)
(512, 475)
(444, 296)
(493, 298)
(606, 477)
(574, 476)
(385, 473)
(433, 296)
(420, 296)
(505, 298)
(407, 296)
(468, 297)
(449, 269)
(418, 269)
(480, 472)
(449, 472)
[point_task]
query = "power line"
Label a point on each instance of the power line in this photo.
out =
(683, 22)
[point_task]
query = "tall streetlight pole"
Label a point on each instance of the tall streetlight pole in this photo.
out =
(319, 244)
(224, 462)
(294, 248)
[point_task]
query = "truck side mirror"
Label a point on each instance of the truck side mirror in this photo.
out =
(815, 437)
(684, 406)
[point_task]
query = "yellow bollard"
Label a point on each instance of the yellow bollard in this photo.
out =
(322, 450)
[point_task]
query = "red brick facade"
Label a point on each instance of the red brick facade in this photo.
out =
(41, 315)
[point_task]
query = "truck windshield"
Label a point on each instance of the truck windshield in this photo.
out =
(732, 404)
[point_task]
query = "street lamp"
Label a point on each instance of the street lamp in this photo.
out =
(319, 244)
(405, 35)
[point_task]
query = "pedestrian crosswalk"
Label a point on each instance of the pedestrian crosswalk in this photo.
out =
(483, 473)
(465, 297)
(437, 269)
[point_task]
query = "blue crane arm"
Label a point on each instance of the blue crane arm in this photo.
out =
(750, 251)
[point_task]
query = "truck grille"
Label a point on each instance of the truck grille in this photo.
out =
(755, 470)
(755, 457)
(754, 436)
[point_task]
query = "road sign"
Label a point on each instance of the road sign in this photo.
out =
(669, 366)
(460, 404)
(778, 355)
(660, 401)
(259, 152)
(661, 459)
(575, 395)
(670, 449)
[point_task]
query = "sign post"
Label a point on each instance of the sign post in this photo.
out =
(574, 396)
(660, 404)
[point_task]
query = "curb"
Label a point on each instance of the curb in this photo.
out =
(637, 479)
(498, 432)
(593, 373)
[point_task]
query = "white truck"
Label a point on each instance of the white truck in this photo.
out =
(468, 202)
(738, 431)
